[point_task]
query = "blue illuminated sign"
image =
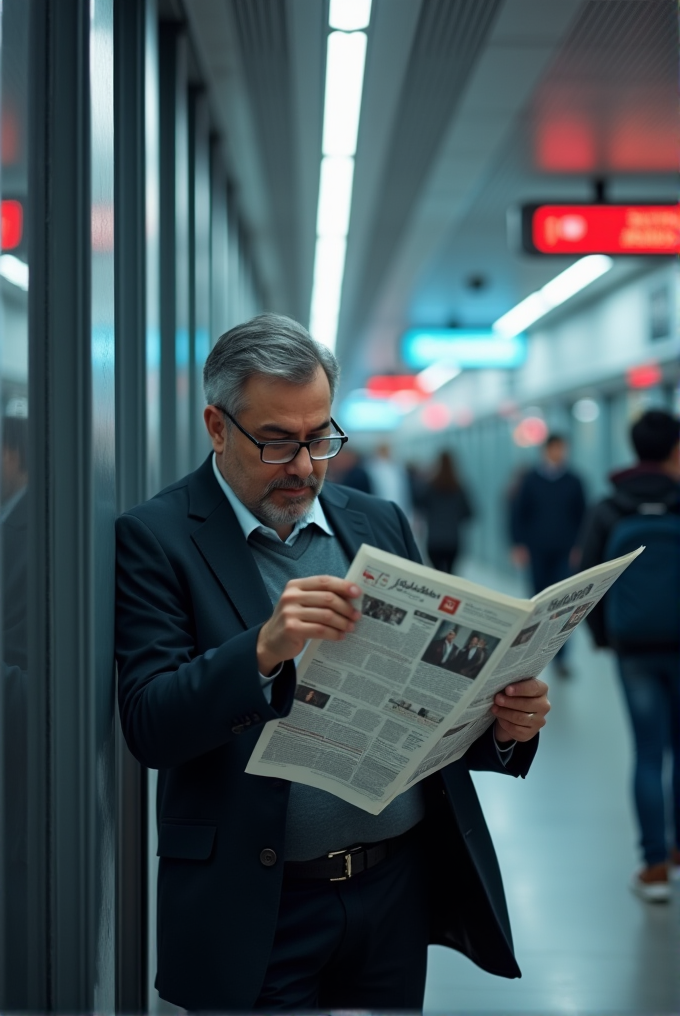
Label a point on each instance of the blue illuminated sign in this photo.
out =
(464, 348)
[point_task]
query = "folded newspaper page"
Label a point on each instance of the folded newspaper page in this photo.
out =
(412, 687)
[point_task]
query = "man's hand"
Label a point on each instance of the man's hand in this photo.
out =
(319, 607)
(520, 710)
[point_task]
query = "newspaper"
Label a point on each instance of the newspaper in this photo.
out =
(412, 687)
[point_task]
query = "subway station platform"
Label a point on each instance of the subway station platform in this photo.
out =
(566, 842)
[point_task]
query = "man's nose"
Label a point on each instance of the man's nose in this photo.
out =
(301, 465)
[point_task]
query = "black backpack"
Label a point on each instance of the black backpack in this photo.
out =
(642, 609)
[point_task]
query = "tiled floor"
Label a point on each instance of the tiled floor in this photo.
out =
(566, 842)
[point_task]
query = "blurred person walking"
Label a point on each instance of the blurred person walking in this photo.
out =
(445, 505)
(389, 480)
(348, 469)
(546, 516)
(640, 619)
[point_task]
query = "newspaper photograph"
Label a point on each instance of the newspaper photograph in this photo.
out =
(412, 687)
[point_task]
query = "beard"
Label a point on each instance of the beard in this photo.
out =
(295, 509)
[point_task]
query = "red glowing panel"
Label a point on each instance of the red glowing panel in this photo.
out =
(606, 229)
(12, 224)
(566, 144)
(529, 432)
(382, 385)
(645, 376)
(436, 416)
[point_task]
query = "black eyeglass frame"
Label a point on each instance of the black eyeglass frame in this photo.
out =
(285, 441)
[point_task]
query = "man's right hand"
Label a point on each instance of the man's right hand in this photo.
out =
(319, 607)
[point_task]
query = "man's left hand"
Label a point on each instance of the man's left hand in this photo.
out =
(520, 710)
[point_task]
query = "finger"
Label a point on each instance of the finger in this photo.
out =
(529, 688)
(327, 601)
(518, 732)
(328, 583)
(518, 718)
(538, 704)
(328, 618)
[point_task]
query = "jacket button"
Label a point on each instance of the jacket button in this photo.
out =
(268, 857)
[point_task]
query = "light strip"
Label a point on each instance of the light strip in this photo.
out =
(346, 58)
(557, 291)
(13, 270)
(437, 375)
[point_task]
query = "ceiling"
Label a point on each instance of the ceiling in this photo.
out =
(469, 107)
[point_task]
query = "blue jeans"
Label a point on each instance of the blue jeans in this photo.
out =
(651, 685)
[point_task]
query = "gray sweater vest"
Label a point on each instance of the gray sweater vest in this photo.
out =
(319, 822)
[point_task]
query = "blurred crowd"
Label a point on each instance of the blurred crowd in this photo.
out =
(553, 533)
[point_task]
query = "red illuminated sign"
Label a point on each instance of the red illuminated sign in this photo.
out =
(384, 385)
(601, 229)
(645, 376)
(12, 224)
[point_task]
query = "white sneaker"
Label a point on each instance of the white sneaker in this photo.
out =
(651, 884)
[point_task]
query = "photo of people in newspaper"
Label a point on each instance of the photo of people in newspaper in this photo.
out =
(526, 635)
(577, 616)
(462, 650)
(411, 711)
(303, 693)
(371, 606)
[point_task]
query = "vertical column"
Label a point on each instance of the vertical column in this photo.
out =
(71, 557)
(219, 248)
(174, 267)
(199, 266)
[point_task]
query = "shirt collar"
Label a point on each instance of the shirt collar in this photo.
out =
(249, 523)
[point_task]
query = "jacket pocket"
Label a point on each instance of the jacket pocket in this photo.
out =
(186, 841)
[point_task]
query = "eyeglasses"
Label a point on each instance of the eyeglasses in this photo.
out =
(276, 453)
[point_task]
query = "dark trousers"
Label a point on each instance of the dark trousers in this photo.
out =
(651, 685)
(548, 567)
(358, 944)
(443, 558)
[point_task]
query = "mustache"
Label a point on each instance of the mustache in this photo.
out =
(292, 483)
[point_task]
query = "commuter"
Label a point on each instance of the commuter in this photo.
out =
(390, 480)
(546, 516)
(640, 619)
(349, 470)
(221, 580)
(445, 506)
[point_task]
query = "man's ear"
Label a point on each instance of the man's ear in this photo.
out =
(216, 427)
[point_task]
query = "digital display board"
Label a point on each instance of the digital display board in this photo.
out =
(463, 348)
(601, 229)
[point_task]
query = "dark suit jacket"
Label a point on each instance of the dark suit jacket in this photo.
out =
(190, 602)
(435, 654)
(470, 667)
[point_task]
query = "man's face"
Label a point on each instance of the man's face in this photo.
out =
(474, 642)
(450, 636)
(275, 410)
(556, 453)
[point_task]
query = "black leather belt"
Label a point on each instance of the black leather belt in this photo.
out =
(340, 865)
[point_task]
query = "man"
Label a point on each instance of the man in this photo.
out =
(545, 518)
(222, 579)
(473, 657)
(444, 652)
(640, 619)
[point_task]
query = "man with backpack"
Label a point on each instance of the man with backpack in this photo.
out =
(640, 619)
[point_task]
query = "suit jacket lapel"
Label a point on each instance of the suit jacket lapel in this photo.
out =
(224, 548)
(352, 528)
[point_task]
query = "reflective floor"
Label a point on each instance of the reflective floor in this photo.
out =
(566, 842)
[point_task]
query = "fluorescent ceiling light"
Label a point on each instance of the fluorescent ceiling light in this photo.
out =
(335, 196)
(14, 270)
(329, 267)
(437, 375)
(344, 85)
(349, 15)
(561, 288)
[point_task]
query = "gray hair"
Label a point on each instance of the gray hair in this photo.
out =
(270, 345)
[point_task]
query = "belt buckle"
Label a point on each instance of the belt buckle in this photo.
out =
(347, 854)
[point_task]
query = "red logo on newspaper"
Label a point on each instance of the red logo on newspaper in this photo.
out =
(375, 578)
(449, 605)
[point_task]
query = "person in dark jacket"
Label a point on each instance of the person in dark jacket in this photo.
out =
(650, 674)
(444, 505)
(546, 516)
